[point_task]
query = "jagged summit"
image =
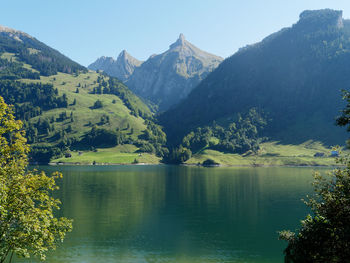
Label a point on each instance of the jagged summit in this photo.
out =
(323, 18)
(167, 78)
(181, 41)
(123, 54)
(121, 68)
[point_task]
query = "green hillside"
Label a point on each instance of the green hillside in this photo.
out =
(271, 154)
(66, 108)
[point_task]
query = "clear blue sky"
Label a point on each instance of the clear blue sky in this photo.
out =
(85, 29)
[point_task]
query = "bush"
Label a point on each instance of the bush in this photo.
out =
(210, 162)
(97, 105)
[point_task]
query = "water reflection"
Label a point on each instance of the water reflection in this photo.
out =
(179, 214)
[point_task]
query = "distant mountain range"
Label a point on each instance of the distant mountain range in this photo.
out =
(163, 79)
(122, 68)
(294, 76)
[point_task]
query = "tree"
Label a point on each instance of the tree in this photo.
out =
(98, 104)
(325, 235)
(27, 222)
(344, 119)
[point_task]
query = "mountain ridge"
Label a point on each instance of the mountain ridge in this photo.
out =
(163, 79)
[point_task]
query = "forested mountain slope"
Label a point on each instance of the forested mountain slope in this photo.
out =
(294, 77)
(66, 107)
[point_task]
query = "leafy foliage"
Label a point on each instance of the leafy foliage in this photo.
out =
(210, 162)
(239, 137)
(102, 138)
(97, 105)
(324, 236)
(153, 140)
(344, 119)
(178, 155)
(27, 222)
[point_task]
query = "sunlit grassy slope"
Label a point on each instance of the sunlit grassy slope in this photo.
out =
(83, 114)
(85, 117)
(122, 154)
(272, 154)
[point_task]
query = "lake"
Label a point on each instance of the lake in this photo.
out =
(178, 214)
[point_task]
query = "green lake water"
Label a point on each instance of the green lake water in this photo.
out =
(178, 214)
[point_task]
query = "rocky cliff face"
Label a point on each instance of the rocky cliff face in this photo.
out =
(167, 78)
(122, 68)
(320, 19)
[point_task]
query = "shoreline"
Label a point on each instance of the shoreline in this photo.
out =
(190, 165)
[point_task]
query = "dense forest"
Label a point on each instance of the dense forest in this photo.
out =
(241, 136)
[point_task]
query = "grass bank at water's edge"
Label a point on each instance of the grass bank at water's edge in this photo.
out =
(270, 154)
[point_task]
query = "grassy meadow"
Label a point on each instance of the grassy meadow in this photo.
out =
(272, 154)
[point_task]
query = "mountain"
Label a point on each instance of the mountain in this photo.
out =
(44, 59)
(122, 68)
(294, 76)
(65, 107)
(167, 78)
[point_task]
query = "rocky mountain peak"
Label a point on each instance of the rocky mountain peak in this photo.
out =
(167, 78)
(123, 54)
(320, 19)
(181, 37)
(181, 41)
(121, 68)
(125, 57)
(15, 34)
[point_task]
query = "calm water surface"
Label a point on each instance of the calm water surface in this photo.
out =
(179, 214)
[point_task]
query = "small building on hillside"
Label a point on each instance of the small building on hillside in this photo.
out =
(334, 153)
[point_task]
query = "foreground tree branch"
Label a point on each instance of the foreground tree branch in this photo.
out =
(27, 222)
